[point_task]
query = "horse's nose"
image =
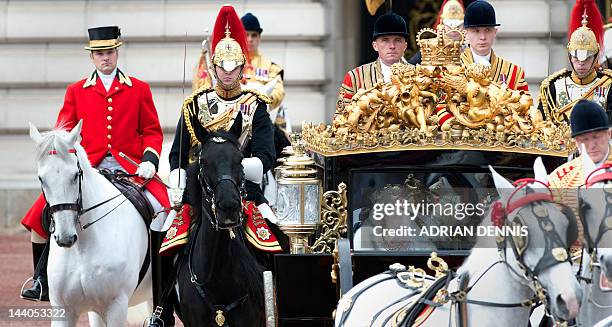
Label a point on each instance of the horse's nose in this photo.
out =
(568, 304)
(66, 242)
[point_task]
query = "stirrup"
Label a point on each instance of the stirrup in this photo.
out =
(24, 285)
(155, 318)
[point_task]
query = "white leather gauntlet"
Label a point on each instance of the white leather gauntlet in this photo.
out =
(177, 181)
(253, 169)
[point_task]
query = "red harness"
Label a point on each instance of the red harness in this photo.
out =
(499, 212)
(54, 152)
(606, 176)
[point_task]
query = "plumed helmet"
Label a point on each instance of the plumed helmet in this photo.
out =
(229, 40)
(451, 13)
(585, 30)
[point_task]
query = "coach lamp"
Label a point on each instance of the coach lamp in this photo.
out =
(298, 200)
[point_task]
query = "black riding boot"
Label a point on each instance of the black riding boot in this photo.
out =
(161, 268)
(40, 290)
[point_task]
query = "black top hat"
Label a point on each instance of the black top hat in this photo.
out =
(251, 23)
(588, 116)
(390, 24)
(104, 38)
(479, 14)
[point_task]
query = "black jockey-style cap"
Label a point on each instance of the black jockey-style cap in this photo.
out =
(390, 24)
(251, 23)
(588, 116)
(479, 14)
(104, 38)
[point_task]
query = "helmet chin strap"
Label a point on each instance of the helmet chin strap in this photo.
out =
(591, 69)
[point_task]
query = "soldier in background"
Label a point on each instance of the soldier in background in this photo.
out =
(561, 90)
(450, 17)
(262, 75)
(481, 31)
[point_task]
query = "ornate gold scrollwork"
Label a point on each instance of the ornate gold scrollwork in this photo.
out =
(437, 264)
(439, 104)
(333, 220)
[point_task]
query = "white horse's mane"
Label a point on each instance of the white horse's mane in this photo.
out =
(56, 139)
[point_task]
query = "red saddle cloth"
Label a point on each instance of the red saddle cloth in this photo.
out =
(256, 229)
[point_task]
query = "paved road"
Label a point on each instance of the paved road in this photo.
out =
(15, 268)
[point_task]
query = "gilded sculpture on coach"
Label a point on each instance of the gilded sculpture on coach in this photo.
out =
(408, 101)
(563, 89)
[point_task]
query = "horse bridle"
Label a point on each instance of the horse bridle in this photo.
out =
(208, 196)
(552, 255)
(78, 205)
(606, 224)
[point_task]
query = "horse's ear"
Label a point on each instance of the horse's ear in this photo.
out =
(74, 135)
(540, 172)
(503, 186)
(587, 163)
(236, 130)
(35, 134)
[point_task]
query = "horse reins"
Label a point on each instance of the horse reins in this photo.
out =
(78, 206)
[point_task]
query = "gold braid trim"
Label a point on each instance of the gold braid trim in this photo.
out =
(259, 95)
(607, 72)
(189, 111)
(546, 97)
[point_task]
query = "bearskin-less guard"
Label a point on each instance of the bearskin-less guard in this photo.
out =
(481, 31)
(118, 115)
(563, 89)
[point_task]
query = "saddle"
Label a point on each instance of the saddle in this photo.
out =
(133, 189)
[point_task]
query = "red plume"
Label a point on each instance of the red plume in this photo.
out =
(440, 12)
(594, 17)
(227, 17)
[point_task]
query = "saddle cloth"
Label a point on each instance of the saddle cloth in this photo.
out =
(257, 231)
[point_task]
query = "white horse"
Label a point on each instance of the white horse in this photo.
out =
(596, 268)
(501, 285)
(99, 272)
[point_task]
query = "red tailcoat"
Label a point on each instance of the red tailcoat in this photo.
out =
(124, 119)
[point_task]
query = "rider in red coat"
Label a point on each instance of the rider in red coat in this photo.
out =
(118, 116)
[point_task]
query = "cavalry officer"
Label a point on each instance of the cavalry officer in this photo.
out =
(224, 107)
(118, 115)
(561, 90)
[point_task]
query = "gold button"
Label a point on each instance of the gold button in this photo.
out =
(109, 146)
(110, 108)
(109, 117)
(110, 100)
(109, 127)
(108, 136)
(116, 87)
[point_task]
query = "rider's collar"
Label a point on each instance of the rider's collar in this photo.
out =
(228, 94)
(586, 80)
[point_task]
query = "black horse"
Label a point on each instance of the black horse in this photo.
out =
(220, 281)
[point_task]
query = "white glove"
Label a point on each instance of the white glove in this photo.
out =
(146, 170)
(253, 169)
(269, 87)
(177, 181)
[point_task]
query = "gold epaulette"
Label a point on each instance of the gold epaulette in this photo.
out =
(189, 110)
(607, 72)
(545, 96)
(259, 95)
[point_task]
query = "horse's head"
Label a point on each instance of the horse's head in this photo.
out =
(60, 174)
(540, 255)
(222, 179)
(595, 202)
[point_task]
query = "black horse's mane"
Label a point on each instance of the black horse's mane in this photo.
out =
(249, 269)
